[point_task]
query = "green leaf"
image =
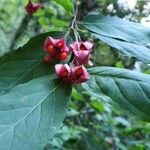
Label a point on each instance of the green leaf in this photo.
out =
(129, 89)
(25, 63)
(97, 105)
(67, 4)
(131, 39)
(32, 113)
(58, 22)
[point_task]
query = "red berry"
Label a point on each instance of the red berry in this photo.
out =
(60, 45)
(79, 72)
(50, 49)
(63, 56)
(47, 59)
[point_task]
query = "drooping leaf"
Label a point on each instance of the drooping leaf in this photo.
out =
(25, 63)
(32, 113)
(129, 38)
(67, 4)
(140, 52)
(129, 89)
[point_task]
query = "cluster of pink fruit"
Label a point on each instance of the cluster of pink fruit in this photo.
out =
(74, 72)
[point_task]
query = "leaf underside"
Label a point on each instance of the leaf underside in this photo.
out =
(131, 39)
(128, 89)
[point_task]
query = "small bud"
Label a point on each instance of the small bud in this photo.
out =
(47, 59)
(32, 8)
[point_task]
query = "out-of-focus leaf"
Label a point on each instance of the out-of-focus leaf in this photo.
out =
(67, 4)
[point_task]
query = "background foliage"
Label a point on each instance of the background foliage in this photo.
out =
(91, 121)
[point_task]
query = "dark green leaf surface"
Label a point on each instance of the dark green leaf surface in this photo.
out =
(67, 4)
(129, 89)
(32, 113)
(25, 63)
(129, 38)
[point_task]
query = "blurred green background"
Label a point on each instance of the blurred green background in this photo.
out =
(91, 124)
